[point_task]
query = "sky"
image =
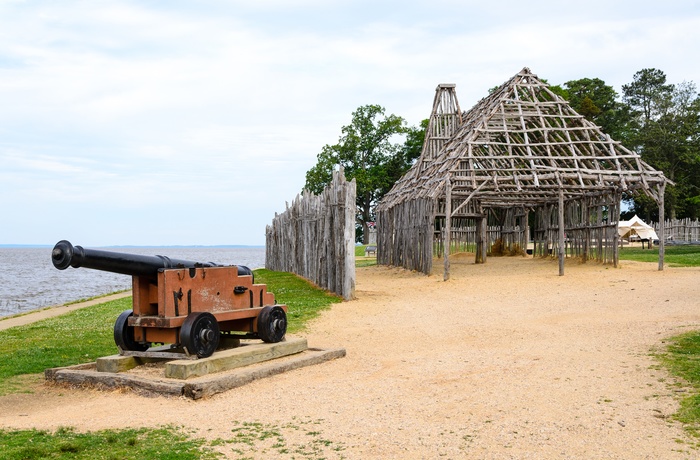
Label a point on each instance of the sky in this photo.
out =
(175, 122)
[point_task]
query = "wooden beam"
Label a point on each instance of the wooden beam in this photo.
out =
(616, 235)
(481, 238)
(471, 195)
(448, 227)
(561, 232)
(662, 227)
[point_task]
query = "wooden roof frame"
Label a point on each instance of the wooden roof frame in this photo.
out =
(523, 145)
(520, 146)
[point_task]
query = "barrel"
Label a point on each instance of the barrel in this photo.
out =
(66, 255)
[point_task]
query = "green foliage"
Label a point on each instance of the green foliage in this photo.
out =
(369, 153)
(674, 256)
(596, 101)
(658, 120)
(65, 443)
(665, 131)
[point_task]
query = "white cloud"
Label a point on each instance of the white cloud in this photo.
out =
(147, 109)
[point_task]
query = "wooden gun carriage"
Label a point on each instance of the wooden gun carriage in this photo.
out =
(183, 303)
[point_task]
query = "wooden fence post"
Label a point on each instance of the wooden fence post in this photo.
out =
(315, 237)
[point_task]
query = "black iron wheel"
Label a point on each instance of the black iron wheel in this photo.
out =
(124, 334)
(199, 334)
(272, 324)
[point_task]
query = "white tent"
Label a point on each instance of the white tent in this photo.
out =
(636, 226)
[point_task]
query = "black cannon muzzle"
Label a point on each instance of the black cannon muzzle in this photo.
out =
(66, 255)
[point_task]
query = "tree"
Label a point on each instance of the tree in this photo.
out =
(596, 101)
(665, 132)
(369, 153)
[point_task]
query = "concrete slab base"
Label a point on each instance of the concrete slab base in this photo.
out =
(195, 379)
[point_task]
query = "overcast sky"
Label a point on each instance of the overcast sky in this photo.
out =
(191, 123)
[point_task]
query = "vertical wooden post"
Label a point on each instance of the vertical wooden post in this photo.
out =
(561, 232)
(482, 236)
(448, 227)
(587, 229)
(616, 235)
(349, 192)
(547, 220)
(526, 234)
(662, 227)
(479, 237)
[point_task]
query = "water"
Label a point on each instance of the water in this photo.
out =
(28, 279)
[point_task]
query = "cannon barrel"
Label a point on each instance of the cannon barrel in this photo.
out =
(66, 255)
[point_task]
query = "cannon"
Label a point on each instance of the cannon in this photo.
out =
(187, 304)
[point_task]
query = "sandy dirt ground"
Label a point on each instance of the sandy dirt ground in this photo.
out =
(505, 360)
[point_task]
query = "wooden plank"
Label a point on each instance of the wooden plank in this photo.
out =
(203, 388)
(314, 237)
(244, 355)
(118, 363)
(108, 380)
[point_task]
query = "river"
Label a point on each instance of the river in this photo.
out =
(28, 279)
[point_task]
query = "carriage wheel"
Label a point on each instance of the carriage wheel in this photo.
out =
(124, 334)
(272, 324)
(199, 334)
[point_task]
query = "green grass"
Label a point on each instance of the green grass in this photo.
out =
(65, 443)
(366, 263)
(86, 334)
(260, 440)
(682, 358)
(674, 256)
(17, 315)
(77, 337)
(360, 252)
(303, 300)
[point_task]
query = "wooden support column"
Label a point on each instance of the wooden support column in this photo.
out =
(662, 227)
(481, 237)
(587, 230)
(616, 235)
(448, 227)
(483, 230)
(562, 249)
(546, 221)
(526, 231)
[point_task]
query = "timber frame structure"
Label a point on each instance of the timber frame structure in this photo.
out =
(521, 155)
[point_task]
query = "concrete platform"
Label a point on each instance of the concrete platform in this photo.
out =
(199, 378)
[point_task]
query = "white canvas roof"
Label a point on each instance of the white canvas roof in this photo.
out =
(636, 226)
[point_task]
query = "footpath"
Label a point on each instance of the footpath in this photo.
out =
(28, 318)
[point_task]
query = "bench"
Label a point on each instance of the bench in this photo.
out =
(371, 250)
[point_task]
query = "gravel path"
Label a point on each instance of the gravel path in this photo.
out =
(506, 360)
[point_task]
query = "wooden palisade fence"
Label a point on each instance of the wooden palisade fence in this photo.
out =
(677, 230)
(315, 238)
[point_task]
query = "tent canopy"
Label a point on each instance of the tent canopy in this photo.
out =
(636, 226)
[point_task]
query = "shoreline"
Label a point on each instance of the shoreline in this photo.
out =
(20, 319)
